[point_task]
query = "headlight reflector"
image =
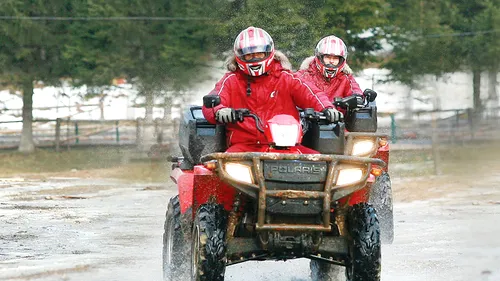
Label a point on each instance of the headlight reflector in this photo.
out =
(348, 176)
(239, 172)
(363, 147)
(285, 135)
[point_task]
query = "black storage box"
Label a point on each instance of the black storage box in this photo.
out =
(197, 137)
(362, 120)
(326, 139)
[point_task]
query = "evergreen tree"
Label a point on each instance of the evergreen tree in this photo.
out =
(438, 37)
(296, 26)
(31, 51)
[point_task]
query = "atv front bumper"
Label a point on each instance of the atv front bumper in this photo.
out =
(333, 189)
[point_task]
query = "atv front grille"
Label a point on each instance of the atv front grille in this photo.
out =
(295, 171)
(294, 175)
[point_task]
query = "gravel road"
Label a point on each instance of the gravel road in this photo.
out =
(98, 229)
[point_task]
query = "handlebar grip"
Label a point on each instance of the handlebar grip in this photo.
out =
(241, 113)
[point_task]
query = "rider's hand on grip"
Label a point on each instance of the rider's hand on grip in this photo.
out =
(360, 99)
(225, 115)
(333, 115)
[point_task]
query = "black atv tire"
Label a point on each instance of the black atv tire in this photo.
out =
(208, 259)
(175, 249)
(325, 271)
(365, 248)
(381, 199)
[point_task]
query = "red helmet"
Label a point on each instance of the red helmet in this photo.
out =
(254, 40)
(330, 45)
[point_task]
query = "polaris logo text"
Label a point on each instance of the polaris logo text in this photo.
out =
(297, 169)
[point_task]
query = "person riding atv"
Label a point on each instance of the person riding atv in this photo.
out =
(258, 79)
(268, 198)
(328, 70)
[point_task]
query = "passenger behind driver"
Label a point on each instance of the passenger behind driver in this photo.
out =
(259, 79)
(328, 69)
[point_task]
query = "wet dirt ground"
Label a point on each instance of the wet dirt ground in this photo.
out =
(446, 228)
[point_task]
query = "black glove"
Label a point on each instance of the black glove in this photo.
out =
(333, 115)
(225, 115)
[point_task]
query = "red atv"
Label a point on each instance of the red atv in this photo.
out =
(277, 204)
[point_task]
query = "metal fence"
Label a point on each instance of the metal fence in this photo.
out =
(60, 133)
(446, 126)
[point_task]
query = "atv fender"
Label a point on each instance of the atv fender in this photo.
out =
(359, 196)
(208, 188)
(184, 180)
(200, 186)
(383, 154)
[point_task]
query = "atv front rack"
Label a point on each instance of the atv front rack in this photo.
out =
(331, 192)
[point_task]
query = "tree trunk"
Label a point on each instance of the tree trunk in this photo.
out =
(101, 106)
(167, 113)
(149, 106)
(166, 123)
(166, 132)
(148, 129)
(436, 100)
(492, 85)
(409, 104)
(476, 90)
(27, 144)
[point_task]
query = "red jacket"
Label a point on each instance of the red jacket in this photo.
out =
(340, 86)
(277, 92)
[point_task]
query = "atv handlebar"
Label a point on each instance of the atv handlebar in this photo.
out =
(308, 114)
(210, 101)
(243, 112)
(356, 101)
(350, 102)
(311, 115)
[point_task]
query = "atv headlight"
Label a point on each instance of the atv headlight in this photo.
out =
(285, 135)
(239, 172)
(348, 176)
(363, 147)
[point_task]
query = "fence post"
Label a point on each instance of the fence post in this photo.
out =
(393, 128)
(138, 134)
(77, 140)
(435, 146)
(457, 127)
(58, 134)
(117, 130)
(157, 128)
(67, 133)
(471, 122)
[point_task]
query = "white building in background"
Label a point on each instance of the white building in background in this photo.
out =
(453, 91)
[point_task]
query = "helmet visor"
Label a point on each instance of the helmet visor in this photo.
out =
(254, 57)
(331, 61)
(240, 52)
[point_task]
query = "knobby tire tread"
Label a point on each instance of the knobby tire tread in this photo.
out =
(212, 222)
(366, 246)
